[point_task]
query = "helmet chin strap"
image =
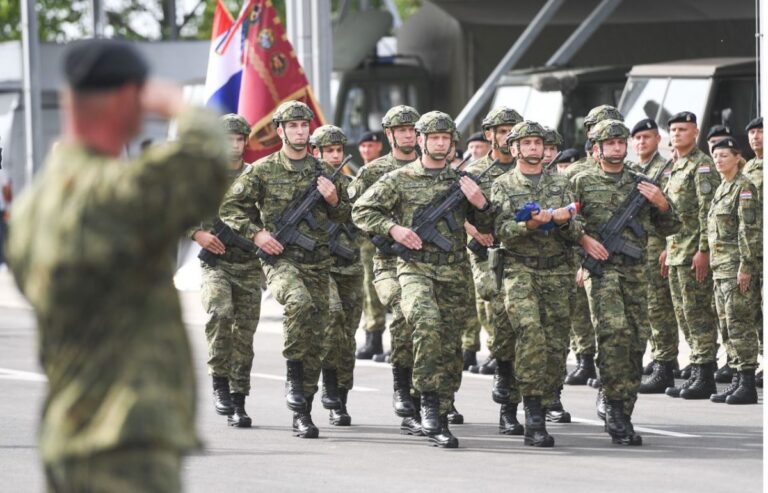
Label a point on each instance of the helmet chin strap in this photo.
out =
(295, 147)
(611, 160)
(532, 160)
(436, 157)
(502, 149)
(404, 150)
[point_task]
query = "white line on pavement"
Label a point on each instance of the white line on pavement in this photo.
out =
(654, 431)
(28, 376)
(266, 376)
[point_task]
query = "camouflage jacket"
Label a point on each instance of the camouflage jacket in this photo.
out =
(584, 164)
(600, 196)
(259, 196)
(656, 242)
(735, 228)
(486, 182)
(691, 187)
(89, 245)
(341, 265)
(395, 199)
(754, 171)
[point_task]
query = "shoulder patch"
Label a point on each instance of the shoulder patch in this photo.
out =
(351, 192)
(238, 188)
(703, 169)
(745, 195)
(706, 187)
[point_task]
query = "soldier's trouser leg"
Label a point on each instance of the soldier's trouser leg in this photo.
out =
(536, 304)
(216, 295)
(582, 333)
(665, 338)
(246, 297)
(485, 292)
(303, 292)
(470, 335)
(468, 312)
(736, 312)
(693, 310)
(618, 306)
(759, 296)
(504, 341)
(431, 308)
(374, 310)
(345, 304)
(400, 331)
(130, 470)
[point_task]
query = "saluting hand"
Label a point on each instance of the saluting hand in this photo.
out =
(405, 237)
(264, 240)
(328, 190)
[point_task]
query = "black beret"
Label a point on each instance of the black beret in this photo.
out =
(476, 137)
(567, 156)
(644, 124)
(369, 137)
(98, 64)
(719, 131)
(682, 117)
(726, 143)
(756, 123)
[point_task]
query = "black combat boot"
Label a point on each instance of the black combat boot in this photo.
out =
(470, 359)
(618, 424)
(443, 438)
(412, 424)
(303, 426)
(372, 345)
(508, 423)
(759, 379)
(595, 383)
(340, 416)
(239, 417)
(583, 372)
(430, 413)
(720, 397)
(600, 405)
(724, 374)
(222, 401)
(660, 378)
(382, 357)
(686, 372)
(632, 437)
(330, 397)
(488, 367)
(401, 399)
(746, 393)
(675, 391)
(501, 382)
(535, 425)
(648, 369)
(704, 385)
(555, 413)
(294, 386)
(454, 416)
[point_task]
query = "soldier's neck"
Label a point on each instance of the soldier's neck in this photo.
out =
(758, 153)
(646, 158)
(503, 158)
(235, 165)
(292, 153)
(430, 163)
(96, 137)
(611, 168)
(401, 156)
(684, 151)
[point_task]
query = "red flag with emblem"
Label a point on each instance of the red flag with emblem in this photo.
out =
(271, 74)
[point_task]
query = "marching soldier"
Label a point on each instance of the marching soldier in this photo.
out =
(553, 141)
(754, 171)
(296, 277)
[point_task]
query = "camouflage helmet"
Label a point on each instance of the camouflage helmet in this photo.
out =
(399, 116)
(327, 135)
(236, 124)
(609, 129)
(552, 137)
(290, 111)
(524, 129)
(502, 115)
(435, 122)
(600, 113)
(456, 136)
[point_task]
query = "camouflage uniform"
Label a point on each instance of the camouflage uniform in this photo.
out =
(691, 187)
(754, 171)
(374, 312)
(617, 300)
(89, 245)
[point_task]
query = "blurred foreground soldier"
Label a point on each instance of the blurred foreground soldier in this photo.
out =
(345, 300)
(231, 295)
(297, 277)
(477, 146)
(433, 280)
(735, 238)
(501, 334)
(754, 171)
(691, 188)
(537, 275)
(399, 124)
(617, 298)
(661, 315)
(90, 243)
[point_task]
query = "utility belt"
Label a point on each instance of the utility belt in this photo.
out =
(345, 262)
(235, 255)
(298, 254)
(539, 262)
(620, 259)
(439, 258)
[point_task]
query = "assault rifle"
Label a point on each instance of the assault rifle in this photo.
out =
(287, 225)
(334, 231)
(624, 217)
(229, 238)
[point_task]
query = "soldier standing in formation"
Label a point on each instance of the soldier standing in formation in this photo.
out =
(345, 299)
(617, 299)
(432, 281)
(537, 275)
(231, 295)
(296, 277)
(735, 238)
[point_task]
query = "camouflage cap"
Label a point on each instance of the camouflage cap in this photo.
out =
(501, 115)
(435, 122)
(600, 113)
(609, 129)
(236, 124)
(327, 135)
(524, 129)
(399, 116)
(552, 137)
(292, 110)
